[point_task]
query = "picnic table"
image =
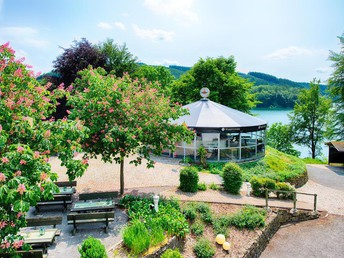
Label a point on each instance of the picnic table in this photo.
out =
(64, 197)
(35, 237)
(93, 205)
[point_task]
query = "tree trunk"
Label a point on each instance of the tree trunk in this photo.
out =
(122, 177)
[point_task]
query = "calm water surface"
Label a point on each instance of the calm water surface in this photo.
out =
(274, 116)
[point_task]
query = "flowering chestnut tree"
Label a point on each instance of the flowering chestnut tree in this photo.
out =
(125, 117)
(27, 139)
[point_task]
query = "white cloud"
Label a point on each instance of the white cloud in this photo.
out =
(286, 53)
(104, 25)
(324, 70)
(153, 34)
(24, 36)
(18, 31)
(180, 10)
(120, 25)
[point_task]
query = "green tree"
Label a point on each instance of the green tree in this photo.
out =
(125, 117)
(159, 74)
(280, 137)
(27, 140)
(118, 59)
(336, 86)
(310, 117)
(219, 75)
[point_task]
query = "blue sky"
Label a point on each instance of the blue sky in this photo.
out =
(286, 38)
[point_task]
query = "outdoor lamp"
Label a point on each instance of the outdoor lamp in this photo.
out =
(226, 246)
(156, 202)
(220, 239)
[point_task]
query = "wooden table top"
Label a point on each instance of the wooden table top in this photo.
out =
(90, 205)
(33, 236)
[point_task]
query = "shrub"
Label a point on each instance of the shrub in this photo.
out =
(214, 186)
(284, 187)
(188, 179)
(197, 228)
(204, 248)
(232, 178)
(249, 217)
(156, 231)
(260, 184)
(136, 237)
(189, 213)
(221, 225)
(170, 253)
(92, 248)
(202, 187)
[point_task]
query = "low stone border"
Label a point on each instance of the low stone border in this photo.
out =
(299, 180)
(173, 243)
(282, 217)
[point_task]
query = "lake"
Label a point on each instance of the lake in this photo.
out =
(281, 115)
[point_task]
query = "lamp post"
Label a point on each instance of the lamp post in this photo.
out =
(156, 202)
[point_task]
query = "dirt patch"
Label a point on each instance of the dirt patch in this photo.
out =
(240, 240)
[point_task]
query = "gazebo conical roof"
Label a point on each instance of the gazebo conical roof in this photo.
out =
(208, 114)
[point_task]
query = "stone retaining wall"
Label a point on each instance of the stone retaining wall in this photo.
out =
(282, 217)
(299, 181)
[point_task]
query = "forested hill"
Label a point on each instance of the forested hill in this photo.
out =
(271, 92)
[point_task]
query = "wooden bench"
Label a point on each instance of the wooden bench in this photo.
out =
(98, 195)
(43, 221)
(34, 253)
(90, 217)
(58, 200)
(66, 183)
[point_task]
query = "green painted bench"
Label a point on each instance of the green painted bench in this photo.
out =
(43, 221)
(90, 217)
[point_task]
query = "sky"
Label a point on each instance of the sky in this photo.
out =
(286, 38)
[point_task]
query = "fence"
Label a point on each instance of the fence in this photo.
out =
(294, 194)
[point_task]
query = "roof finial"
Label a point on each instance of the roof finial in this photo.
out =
(204, 92)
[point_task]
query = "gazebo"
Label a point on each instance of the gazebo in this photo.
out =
(226, 134)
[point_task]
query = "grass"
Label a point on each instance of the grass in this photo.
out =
(314, 161)
(275, 165)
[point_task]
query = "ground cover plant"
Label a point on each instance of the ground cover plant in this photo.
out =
(275, 165)
(238, 224)
(149, 228)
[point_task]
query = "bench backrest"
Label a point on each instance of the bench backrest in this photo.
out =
(90, 215)
(59, 198)
(66, 183)
(43, 221)
(98, 195)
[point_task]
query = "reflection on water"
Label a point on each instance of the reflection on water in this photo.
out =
(281, 115)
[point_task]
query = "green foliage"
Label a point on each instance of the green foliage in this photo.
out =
(204, 212)
(92, 248)
(221, 225)
(204, 248)
(27, 139)
(249, 217)
(284, 187)
(170, 253)
(136, 237)
(232, 178)
(189, 212)
(159, 74)
(314, 161)
(187, 160)
(202, 187)
(188, 179)
(336, 87)
(219, 75)
(125, 117)
(118, 59)
(156, 231)
(275, 165)
(259, 185)
(202, 156)
(279, 137)
(197, 228)
(214, 186)
(309, 118)
(169, 216)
